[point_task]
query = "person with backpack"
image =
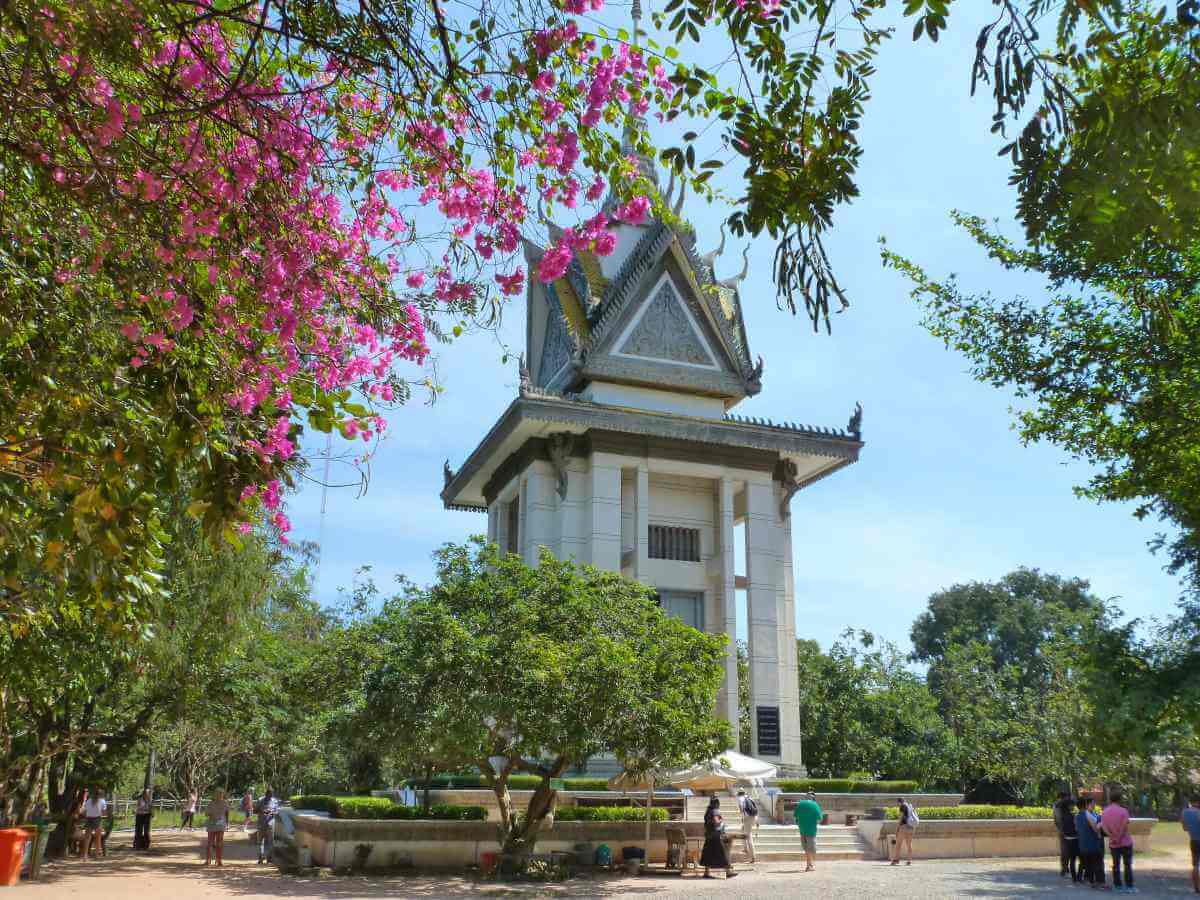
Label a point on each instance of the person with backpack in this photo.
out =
(749, 820)
(906, 825)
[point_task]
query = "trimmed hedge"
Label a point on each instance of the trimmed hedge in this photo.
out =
(322, 802)
(977, 811)
(383, 808)
(515, 783)
(845, 786)
(608, 814)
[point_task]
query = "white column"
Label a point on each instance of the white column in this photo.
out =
(789, 715)
(606, 512)
(493, 514)
(762, 605)
(539, 500)
(727, 696)
(641, 567)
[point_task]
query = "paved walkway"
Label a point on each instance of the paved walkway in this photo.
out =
(172, 870)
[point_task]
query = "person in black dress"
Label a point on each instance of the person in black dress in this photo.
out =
(714, 855)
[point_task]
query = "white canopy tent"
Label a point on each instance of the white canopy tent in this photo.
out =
(719, 773)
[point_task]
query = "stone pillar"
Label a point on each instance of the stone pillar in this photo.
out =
(789, 715)
(727, 696)
(539, 502)
(641, 566)
(762, 609)
(606, 512)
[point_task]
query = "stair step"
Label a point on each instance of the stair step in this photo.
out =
(821, 856)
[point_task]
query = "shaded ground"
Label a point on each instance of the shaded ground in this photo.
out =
(173, 870)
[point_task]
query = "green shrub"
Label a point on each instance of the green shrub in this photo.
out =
(383, 808)
(845, 786)
(977, 811)
(586, 784)
(608, 814)
(515, 783)
(323, 802)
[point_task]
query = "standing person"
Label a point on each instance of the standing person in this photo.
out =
(1190, 820)
(189, 811)
(1091, 844)
(808, 816)
(247, 806)
(1068, 836)
(1115, 822)
(267, 807)
(906, 826)
(218, 821)
(714, 854)
(94, 809)
(749, 820)
(141, 820)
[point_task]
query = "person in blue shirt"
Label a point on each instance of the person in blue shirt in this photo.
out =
(1190, 820)
(1091, 843)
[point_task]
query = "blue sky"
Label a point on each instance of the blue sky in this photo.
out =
(944, 491)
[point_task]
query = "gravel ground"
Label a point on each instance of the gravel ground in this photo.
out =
(173, 871)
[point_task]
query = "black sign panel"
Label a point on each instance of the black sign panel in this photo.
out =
(768, 730)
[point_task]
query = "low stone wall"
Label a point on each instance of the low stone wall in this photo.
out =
(334, 843)
(971, 838)
(838, 805)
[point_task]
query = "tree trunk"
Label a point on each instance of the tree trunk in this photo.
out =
(519, 833)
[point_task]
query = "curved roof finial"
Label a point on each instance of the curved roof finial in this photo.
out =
(741, 276)
(710, 258)
(682, 192)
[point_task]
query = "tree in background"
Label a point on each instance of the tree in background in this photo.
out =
(861, 709)
(1109, 358)
(77, 702)
(513, 669)
(1031, 675)
(1012, 618)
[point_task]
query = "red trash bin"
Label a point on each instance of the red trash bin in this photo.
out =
(12, 851)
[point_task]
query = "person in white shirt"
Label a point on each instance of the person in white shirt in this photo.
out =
(95, 807)
(749, 820)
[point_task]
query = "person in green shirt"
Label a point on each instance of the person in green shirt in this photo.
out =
(808, 817)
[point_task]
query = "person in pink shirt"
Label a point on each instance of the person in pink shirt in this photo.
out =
(1115, 822)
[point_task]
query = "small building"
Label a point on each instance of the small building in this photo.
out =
(622, 450)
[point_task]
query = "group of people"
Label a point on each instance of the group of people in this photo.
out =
(95, 811)
(1082, 832)
(218, 813)
(808, 816)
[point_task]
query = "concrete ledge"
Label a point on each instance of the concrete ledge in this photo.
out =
(838, 805)
(972, 838)
(428, 844)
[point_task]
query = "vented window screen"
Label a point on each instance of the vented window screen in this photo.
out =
(667, 542)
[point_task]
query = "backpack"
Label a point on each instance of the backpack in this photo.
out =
(751, 808)
(913, 818)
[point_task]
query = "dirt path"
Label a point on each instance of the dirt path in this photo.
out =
(174, 870)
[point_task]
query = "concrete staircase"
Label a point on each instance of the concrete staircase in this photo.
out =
(774, 843)
(730, 811)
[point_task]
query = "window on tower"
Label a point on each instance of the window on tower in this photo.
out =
(668, 542)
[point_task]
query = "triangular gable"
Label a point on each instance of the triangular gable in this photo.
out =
(659, 248)
(664, 330)
(558, 345)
